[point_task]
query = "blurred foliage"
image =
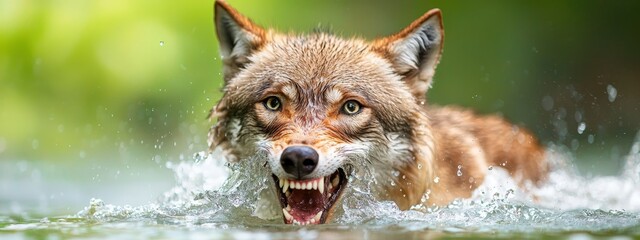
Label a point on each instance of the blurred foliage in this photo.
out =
(135, 79)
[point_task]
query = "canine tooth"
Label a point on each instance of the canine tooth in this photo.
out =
(286, 214)
(286, 186)
(317, 217)
(288, 207)
(321, 185)
(315, 185)
(281, 182)
(309, 185)
(335, 181)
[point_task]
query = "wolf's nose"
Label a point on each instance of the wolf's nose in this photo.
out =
(299, 161)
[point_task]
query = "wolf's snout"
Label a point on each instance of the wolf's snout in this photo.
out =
(299, 161)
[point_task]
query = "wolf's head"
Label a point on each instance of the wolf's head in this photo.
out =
(314, 107)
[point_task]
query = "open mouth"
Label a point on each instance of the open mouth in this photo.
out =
(309, 201)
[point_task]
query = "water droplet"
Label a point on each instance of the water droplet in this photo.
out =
(509, 193)
(490, 168)
(419, 166)
(581, 127)
(395, 173)
(590, 138)
(161, 43)
(578, 116)
(436, 180)
(547, 103)
(199, 156)
(612, 93)
(425, 197)
(459, 173)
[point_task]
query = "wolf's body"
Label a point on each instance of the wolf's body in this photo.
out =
(316, 106)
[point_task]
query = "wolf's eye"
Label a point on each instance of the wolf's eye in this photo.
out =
(272, 103)
(351, 107)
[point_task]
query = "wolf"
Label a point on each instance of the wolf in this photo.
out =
(316, 106)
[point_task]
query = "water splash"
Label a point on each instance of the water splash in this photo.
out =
(210, 190)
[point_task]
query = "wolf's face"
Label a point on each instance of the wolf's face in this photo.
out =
(316, 106)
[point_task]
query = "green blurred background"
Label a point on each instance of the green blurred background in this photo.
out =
(121, 87)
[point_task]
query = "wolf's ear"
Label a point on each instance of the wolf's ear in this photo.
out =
(415, 51)
(237, 36)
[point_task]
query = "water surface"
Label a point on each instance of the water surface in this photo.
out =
(212, 198)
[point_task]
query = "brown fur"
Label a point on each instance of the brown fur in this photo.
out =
(315, 74)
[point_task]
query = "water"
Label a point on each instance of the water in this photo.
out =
(215, 199)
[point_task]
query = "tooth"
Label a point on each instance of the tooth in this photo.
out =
(309, 185)
(286, 214)
(287, 193)
(298, 186)
(321, 185)
(315, 185)
(335, 181)
(330, 194)
(281, 182)
(286, 186)
(296, 222)
(317, 217)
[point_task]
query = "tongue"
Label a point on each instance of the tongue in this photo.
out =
(305, 204)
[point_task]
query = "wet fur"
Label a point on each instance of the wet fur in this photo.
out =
(395, 132)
